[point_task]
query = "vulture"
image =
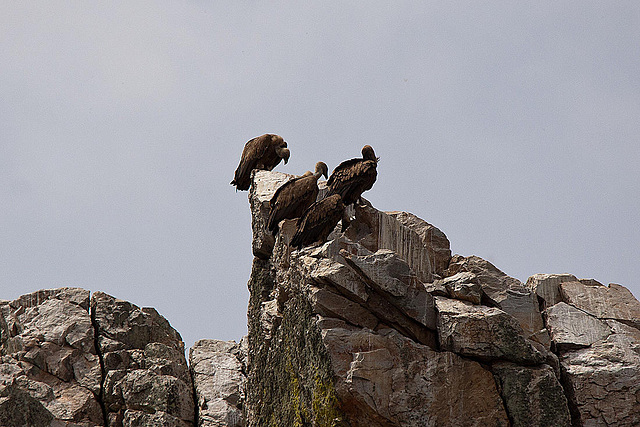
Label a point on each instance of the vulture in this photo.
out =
(353, 177)
(318, 221)
(294, 196)
(263, 152)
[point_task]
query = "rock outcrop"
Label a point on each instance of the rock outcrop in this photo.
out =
(71, 359)
(379, 326)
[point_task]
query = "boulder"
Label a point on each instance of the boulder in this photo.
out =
(377, 230)
(485, 333)
(573, 328)
(603, 381)
(599, 356)
(462, 286)
(389, 275)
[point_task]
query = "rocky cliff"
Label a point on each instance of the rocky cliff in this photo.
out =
(380, 326)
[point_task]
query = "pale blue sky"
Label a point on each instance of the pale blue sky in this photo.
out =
(512, 126)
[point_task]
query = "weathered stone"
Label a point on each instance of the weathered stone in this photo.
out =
(408, 313)
(339, 334)
(436, 289)
(330, 304)
(462, 286)
(604, 382)
(573, 328)
(387, 272)
(219, 383)
(481, 332)
(49, 357)
(384, 378)
(146, 375)
(612, 302)
(264, 185)
(340, 276)
(76, 296)
(123, 325)
(547, 287)
(289, 376)
(376, 230)
(19, 408)
(435, 240)
(135, 418)
(505, 292)
(532, 395)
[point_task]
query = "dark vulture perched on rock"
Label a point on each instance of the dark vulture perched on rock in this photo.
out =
(318, 221)
(263, 152)
(353, 177)
(294, 197)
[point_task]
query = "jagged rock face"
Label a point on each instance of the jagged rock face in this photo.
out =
(380, 326)
(594, 332)
(217, 368)
(146, 378)
(50, 368)
(68, 359)
(506, 293)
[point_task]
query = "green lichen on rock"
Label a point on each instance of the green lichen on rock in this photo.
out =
(289, 371)
(325, 402)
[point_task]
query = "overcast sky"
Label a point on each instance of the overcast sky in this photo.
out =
(512, 126)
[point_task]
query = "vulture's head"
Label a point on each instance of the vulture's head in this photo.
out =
(369, 154)
(322, 169)
(281, 147)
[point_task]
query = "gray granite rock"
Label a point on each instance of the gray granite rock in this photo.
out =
(389, 274)
(435, 240)
(547, 286)
(603, 381)
(462, 286)
(573, 328)
(485, 333)
(50, 368)
(146, 378)
(612, 302)
(377, 230)
(219, 381)
(506, 293)
(353, 332)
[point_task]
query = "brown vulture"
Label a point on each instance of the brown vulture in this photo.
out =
(294, 196)
(353, 177)
(318, 221)
(263, 152)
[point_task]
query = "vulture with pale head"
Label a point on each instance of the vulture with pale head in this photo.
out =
(353, 177)
(318, 221)
(294, 197)
(263, 152)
